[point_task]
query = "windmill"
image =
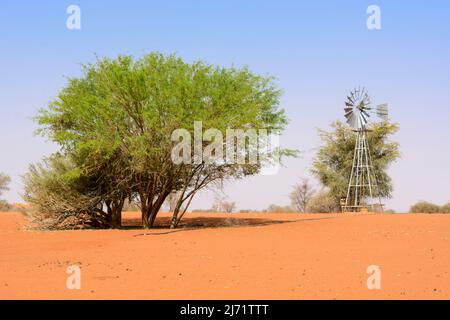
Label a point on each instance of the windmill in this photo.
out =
(362, 185)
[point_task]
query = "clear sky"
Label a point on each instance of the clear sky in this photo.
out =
(318, 51)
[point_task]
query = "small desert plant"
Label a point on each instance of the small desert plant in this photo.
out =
(445, 208)
(425, 207)
(273, 208)
(4, 206)
(222, 205)
(4, 181)
(301, 195)
(323, 202)
(229, 206)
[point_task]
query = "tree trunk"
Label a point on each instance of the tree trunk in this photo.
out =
(156, 207)
(116, 221)
(185, 208)
(146, 203)
(174, 223)
(116, 214)
(144, 215)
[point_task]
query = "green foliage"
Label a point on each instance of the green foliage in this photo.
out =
(445, 208)
(117, 119)
(427, 207)
(333, 162)
(140, 103)
(4, 181)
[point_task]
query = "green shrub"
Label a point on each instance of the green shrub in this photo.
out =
(425, 207)
(4, 206)
(445, 208)
(4, 181)
(273, 208)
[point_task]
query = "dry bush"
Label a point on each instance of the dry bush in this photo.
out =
(445, 208)
(58, 199)
(323, 202)
(229, 207)
(425, 207)
(4, 206)
(273, 208)
(4, 181)
(201, 210)
(301, 195)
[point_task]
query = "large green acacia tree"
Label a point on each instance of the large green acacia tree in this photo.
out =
(115, 123)
(333, 162)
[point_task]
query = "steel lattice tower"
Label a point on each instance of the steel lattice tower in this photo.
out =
(362, 186)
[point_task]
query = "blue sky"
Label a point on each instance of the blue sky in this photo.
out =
(317, 50)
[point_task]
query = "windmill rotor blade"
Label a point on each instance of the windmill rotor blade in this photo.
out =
(350, 119)
(363, 119)
(366, 108)
(348, 115)
(364, 112)
(358, 123)
(358, 108)
(354, 120)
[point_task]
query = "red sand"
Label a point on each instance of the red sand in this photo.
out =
(234, 256)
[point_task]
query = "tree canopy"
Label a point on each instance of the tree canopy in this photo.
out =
(333, 161)
(115, 125)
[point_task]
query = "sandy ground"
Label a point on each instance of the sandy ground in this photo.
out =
(234, 256)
